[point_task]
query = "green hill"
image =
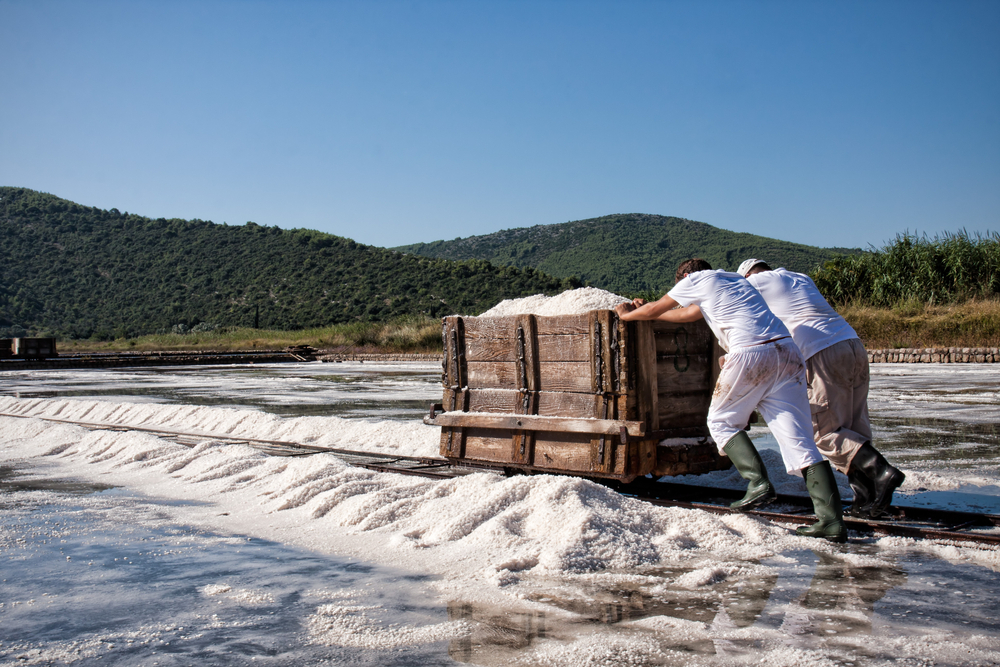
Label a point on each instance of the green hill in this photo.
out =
(79, 272)
(628, 253)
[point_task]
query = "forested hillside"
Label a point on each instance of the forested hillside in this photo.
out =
(79, 272)
(624, 253)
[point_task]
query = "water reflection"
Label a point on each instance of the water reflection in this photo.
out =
(817, 599)
(839, 600)
(492, 630)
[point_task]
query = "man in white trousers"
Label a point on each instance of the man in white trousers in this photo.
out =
(763, 370)
(838, 375)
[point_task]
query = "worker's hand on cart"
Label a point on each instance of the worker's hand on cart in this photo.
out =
(626, 307)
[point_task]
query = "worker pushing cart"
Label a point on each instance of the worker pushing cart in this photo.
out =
(838, 376)
(763, 370)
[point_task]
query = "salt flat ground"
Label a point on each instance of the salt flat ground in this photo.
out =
(121, 548)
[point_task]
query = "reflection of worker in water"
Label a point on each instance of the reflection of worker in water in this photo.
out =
(763, 370)
(837, 369)
(840, 598)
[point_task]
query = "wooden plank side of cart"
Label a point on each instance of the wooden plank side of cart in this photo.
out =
(578, 394)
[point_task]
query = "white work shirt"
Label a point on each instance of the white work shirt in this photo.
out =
(734, 310)
(794, 298)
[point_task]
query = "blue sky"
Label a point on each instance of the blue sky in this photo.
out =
(827, 123)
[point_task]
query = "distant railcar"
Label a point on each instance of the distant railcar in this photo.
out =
(586, 395)
(28, 348)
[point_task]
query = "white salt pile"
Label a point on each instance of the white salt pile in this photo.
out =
(482, 527)
(390, 437)
(479, 528)
(570, 302)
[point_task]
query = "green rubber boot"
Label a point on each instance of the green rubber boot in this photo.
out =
(826, 501)
(744, 456)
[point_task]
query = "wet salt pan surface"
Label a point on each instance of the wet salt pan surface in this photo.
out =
(189, 591)
(967, 393)
(941, 423)
(108, 577)
(531, 570)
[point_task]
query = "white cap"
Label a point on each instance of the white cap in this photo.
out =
(747, 265)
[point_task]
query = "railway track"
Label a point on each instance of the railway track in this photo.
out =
(904, 521)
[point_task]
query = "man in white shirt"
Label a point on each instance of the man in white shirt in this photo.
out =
(837, 369)
(762, 370)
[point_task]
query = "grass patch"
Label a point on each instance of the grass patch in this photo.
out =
(413, 334)
(912, 324)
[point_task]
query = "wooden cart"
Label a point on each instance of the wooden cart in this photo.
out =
(585, 395)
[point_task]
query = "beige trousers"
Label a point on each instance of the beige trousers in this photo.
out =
(838, 399)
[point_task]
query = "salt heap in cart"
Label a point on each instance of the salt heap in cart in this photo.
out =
(579, 394)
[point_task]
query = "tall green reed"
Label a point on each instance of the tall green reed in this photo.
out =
(950, 268)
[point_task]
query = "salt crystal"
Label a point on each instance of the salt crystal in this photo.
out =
(570, 302)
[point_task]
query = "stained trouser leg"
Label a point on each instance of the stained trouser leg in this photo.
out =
(736, 396)
(838, 389)
(838, 395)
(786, 410)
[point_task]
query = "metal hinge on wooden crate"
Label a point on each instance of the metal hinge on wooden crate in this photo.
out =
(455, 376)
(607, 375)
(528, 378)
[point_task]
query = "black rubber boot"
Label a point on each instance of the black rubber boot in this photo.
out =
(864, 493)
(881, 479)
(822, 488)
(744, 456)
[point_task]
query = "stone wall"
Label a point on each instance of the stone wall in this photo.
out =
(940, 355)
(402, 356)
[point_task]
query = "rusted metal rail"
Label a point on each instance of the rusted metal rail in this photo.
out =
(901, 521)
(915, 522)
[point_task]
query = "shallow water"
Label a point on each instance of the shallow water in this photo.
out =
(101, 575)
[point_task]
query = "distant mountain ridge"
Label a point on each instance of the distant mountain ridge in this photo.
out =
(84, 272)
(624, 253)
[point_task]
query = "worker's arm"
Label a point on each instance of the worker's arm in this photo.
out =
(664, 310)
